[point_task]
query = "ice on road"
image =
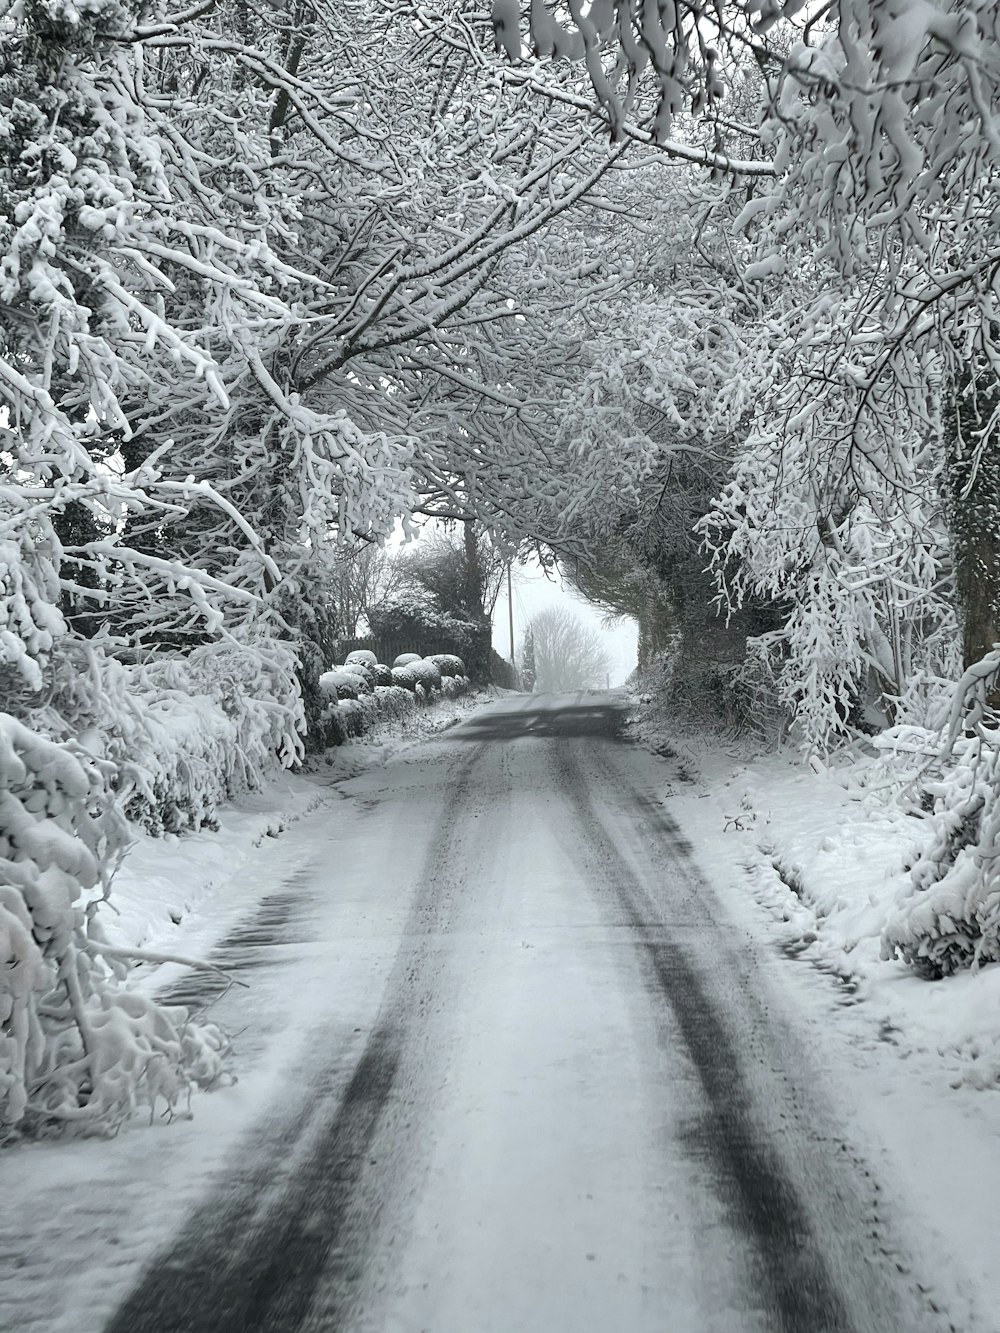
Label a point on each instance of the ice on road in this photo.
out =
(534, 1080)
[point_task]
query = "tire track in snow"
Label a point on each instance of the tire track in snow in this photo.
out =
(801, 1293)
(252, 1262)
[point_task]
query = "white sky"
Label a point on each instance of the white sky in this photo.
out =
(533, 592)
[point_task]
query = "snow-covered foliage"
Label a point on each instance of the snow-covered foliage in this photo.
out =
(405, 659)
(186, 734)
(364, 714)
(345, 682)
(453, 687)
(354, 718)
(448, 664)
(361, 657)
(426, 673)
(855, 330)
(404, 676)
(950, 918)
(856, 551)
(78, 1047)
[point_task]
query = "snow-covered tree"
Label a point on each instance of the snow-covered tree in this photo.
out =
(255, 282)
(462, 574)
(363, 576)
(526, 667)
(861, 492)
(568, 655)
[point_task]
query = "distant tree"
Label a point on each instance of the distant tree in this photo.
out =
(528, 670)
(364, 578)
(567, 654)
(460, 574)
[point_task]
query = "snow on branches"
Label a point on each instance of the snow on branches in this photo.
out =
(860, 280)
(77, 1046)
(263, 287)
(833, 512)
(950, 918)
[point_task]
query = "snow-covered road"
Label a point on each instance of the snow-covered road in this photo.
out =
(549, 1095)
(508, 1064)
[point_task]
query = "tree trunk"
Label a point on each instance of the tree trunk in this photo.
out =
(473, 572)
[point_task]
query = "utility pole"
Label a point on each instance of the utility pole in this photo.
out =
(510, 613)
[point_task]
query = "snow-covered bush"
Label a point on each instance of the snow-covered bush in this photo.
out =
(405, 659)
(453, 686)
(364, 673)
(76, 1046)
(404, 677)
(343, 722)
(390, 704)
(184, 733)
(346, 682)
(950, 918)
(361, 657)
(383, 674)
(354, 718)
(448, 664)
(427, 673)
(211, 729)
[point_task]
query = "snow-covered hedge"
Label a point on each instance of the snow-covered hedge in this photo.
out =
(197, 731)
(359, 717)
(351, 718)
(427, 673)
(404, 677)
(404, 659)
(361, 657)
(448, 664)
(453, 686)
(76, 1046)
(162, 743)
(346, 682)
(183, 734)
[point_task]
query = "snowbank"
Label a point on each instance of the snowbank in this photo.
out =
(813, 863)
(828, 852)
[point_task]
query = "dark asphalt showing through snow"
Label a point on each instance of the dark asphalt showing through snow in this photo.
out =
(303, 1233)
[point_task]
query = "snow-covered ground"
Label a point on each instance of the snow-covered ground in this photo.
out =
(179, 894)
(75, 1214)
(815, 861)
(910, 1061)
